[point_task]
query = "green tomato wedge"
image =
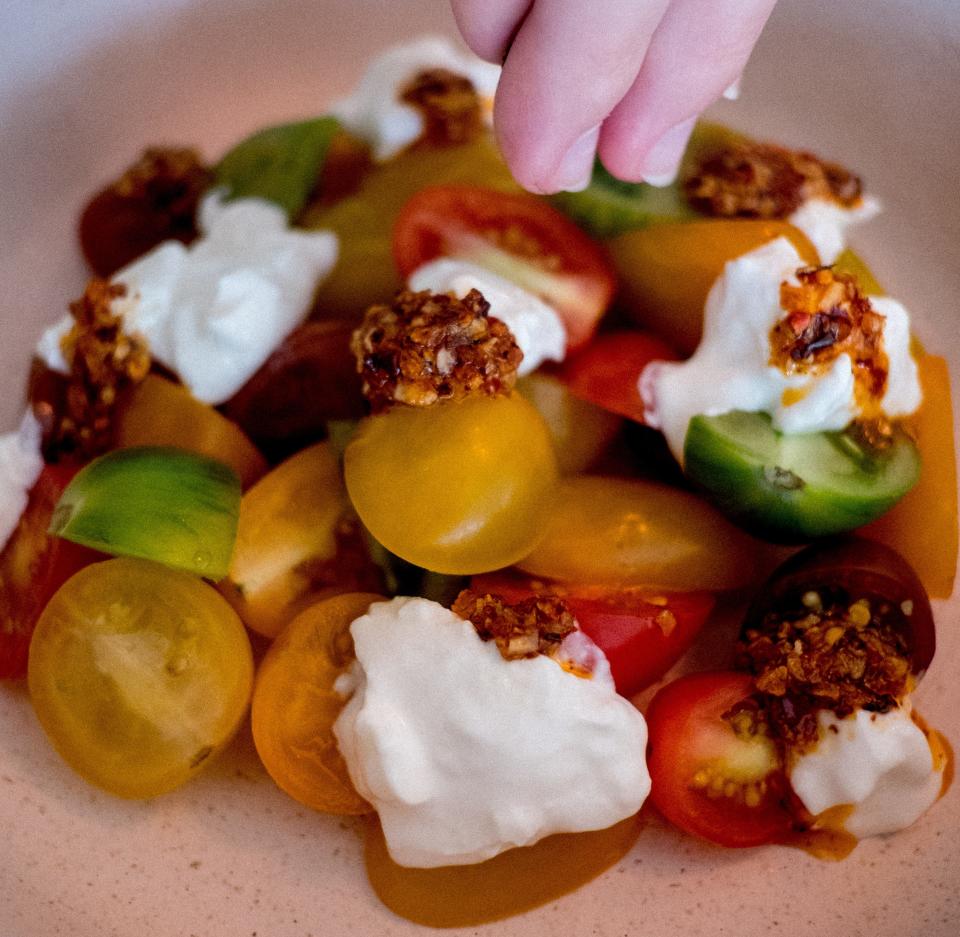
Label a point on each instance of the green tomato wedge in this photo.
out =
(795, 487)
(280, 164)
(156, 503)
(609, 206)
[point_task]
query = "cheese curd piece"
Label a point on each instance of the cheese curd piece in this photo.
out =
(825, 222)
(20, 466)
(465, 755)
(374, 111)
(879, 763)
(215, 310)
(537, 327)
(730, 369)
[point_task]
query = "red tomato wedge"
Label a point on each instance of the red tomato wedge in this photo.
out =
(33, 566)
(712, 775)
(606, 372)
(642, 633)
(517, 236)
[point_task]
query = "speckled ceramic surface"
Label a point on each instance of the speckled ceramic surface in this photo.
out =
(82, 87)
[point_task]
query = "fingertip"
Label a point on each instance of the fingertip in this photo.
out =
(486, 28)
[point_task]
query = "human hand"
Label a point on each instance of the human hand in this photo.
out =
(622, 78)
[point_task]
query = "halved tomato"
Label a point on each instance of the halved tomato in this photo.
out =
(715, 771)
(33, 566)
(642, 633)
(513, 234)
(607, 371)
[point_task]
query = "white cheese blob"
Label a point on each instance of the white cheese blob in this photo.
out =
(215, 310)
(536, 326)
(20, 466)
(374, 110)
(465, 755)
(880, 764)
(730, 369)
(825, 222)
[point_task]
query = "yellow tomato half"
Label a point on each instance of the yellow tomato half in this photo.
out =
(623, 532)
(161, 413)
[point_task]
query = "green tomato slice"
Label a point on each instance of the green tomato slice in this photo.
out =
(796, 486)
(157, 503)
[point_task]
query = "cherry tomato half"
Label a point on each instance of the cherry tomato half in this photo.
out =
(516, 235)
(715, 772)
(295, 705)
(460, 487)
(139, 674)
(642, 633)
(627, 532)
(855, 569)
(607, 371)
(33, 565)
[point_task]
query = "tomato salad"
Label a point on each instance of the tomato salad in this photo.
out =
(343, 385)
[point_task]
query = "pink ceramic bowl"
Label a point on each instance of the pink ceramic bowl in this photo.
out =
(83, 86)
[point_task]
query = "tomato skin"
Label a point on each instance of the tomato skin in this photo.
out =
(687, 732)
(464, 221)
(33, 565)
(639, 640)
(460, 487)
(864, 570)
(629, 532)
(139, 674)
(295, 705)
(607, 371)
(923, 524)
(666, 271)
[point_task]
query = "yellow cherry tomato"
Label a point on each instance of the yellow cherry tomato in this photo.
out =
(161, 413)
(625, 532)
(460, 487)
(667, 270)
(580, 431)
(295, 542)
(139, 674)
(295, 705)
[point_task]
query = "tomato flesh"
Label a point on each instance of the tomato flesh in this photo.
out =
(517, 236)
(709, 779)
(295, 705)
(641, 633)
(33, 565)
(607, 371)
(138, 675)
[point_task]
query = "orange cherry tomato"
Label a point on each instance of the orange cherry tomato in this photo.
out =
(296, 542)
(666, 270)
(923, 524)
(627, 532)
(295, 705)
(516, 235)
(161, 413)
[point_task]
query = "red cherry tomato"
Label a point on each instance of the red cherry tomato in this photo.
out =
(715, 772)
(33, 566)
(519, 237)
(607, 371)
(642, 633)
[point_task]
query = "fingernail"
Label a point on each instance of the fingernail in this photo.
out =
(575, 169)
(733, 92)
(662, 162)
